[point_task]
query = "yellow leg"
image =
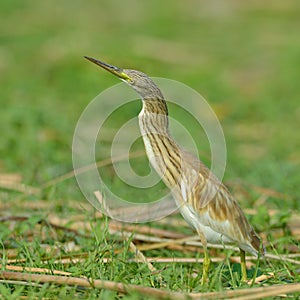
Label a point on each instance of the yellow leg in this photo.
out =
(206, 261)
(206, 264)
(243, 265)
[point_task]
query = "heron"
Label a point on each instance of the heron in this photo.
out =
(202, 199)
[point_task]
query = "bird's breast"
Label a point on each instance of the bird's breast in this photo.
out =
(199, 222)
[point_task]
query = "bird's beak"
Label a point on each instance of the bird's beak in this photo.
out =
(112, 69)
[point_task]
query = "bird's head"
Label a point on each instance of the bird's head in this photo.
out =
(139, 81)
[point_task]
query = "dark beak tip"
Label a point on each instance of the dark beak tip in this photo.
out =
(112, 69)
(88, 58)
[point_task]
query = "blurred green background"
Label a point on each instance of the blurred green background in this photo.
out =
(242, 56)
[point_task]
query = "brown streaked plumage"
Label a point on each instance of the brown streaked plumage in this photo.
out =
(204, 202)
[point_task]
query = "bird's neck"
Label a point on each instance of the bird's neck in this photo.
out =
(153, 117)
(162, 150)
(156, 106)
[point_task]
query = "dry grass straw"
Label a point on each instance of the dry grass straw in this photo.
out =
(253, 293)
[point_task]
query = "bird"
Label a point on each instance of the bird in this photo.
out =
(202, 199)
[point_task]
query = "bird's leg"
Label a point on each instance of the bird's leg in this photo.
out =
(243, 265)
(206, 264)
(206, 260)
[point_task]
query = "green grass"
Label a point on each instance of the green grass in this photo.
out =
(243, 57)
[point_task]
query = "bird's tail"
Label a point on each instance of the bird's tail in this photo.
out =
(257, 243)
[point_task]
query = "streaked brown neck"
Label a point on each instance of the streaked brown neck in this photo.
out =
(154, 116)
(162, 150)
(157, 105)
